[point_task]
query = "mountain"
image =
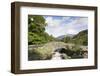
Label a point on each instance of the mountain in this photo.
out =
(63, 36)
(70, 35)
(81, 33)
(80, 38)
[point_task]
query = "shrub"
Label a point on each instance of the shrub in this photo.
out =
(73, 51)
(40, 53)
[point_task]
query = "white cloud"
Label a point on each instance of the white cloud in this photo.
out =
(58, 27)
(72, 31)
(65, 18)
(51, 22)
(82, 21)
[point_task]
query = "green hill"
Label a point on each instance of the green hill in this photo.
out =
(81, 38)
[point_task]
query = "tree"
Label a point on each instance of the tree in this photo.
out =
(36, 23)
(66, 39)
(36, 30)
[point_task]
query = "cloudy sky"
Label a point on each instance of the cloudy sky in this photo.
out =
(60, 25)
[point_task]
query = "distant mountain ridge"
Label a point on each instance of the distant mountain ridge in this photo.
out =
(80, 38)
(80, 34)
(63, 36)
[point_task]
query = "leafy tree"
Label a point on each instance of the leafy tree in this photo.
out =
(36, 23)
(36, 30)
(66, 39)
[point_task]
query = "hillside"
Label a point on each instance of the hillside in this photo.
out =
(63, 36)
(81, 38)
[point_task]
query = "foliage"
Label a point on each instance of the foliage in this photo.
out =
(71, 52)
(41, 53)
(33, 55)
(36, 30)
(66, 39)
(74, 51)
(81, 38)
